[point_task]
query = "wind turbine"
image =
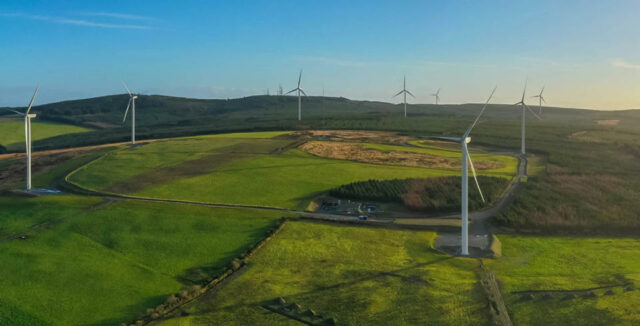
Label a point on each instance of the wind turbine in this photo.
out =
(540, 100)
(27, 133)
(463, 141)
(132, 104)
(300, 91)
(405, 92)
(524, 105)
(437, 96)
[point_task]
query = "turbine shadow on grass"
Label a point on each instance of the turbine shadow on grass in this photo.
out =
(411, 280)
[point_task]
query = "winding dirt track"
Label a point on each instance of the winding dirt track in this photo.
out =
(73, 149)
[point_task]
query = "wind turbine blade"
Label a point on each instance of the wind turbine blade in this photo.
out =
(125, 87)
(466, 134)
(33, 98)
(543, 100)
(473, 171)
(541, 91)
(410, 94)
(438, 92)
(449, 139)
(305, 94)
(300, 78)
(291, 91)
(525, 89)
(400, 92)
(126, 111)
(532, 112)
(16, 112)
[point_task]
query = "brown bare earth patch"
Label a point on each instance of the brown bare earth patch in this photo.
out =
(594, 136)
(15, 171)
(73, 149)
(360, 135)
(186, 169)
(360, 153)
(193, 168)
(608, 122)
(556, 169)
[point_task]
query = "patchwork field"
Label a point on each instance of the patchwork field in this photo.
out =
(252, 169)
(92, 262)
(569, 280)
(12, 132)
(82, 260)
(357, 276)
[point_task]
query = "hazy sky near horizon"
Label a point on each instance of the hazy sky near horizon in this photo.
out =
(586, 53)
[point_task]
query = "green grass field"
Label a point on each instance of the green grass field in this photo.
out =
(106, 265)
(243, 171)
(12, 132)
(359, 276)
(570, 263)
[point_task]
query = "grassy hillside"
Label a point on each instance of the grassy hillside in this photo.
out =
(12, 132)
(358, 276)
(582, 148)
(241, 170)
(105, 263)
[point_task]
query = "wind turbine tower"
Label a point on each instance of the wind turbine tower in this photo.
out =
(405, 92)
(540, 100)
(132, 103)
(522, 126)
(300, 91)
(466, 163)
(437, 96)
(27, 135)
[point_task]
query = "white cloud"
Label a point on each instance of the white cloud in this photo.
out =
(620, 63)
(77, 22)
(114, 15)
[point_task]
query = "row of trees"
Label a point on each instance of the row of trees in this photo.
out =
(430, 195)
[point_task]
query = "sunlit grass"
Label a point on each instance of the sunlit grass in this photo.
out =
(12, 131)
(359, 276)
(570, 263)
(106, 266)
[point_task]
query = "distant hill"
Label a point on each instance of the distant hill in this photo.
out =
(166, 116)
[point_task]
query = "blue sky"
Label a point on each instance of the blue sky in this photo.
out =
(585, 52)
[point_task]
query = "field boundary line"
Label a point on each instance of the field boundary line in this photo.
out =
(166, 308)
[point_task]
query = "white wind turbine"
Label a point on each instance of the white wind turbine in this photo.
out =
(437, 96)
(300, 91)
(464, 209)
(540, 100)
(132, 104)
(27, 135)
(405, 92)
(524, 106)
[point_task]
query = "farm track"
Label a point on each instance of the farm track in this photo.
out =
(479, 233)
(479, 217)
